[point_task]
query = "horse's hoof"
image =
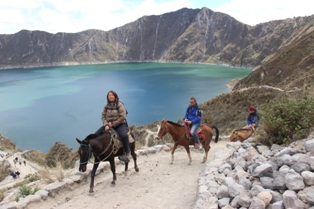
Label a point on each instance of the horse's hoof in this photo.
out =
(137, 170)
(91, 194)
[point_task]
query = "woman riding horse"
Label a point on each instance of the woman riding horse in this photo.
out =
(114, 116)
(103, 149)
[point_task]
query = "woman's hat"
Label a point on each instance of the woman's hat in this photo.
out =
(252, 108)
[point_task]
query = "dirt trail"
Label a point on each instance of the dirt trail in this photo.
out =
(157, 185)
(24, 169)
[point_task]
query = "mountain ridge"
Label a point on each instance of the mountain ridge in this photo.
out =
(186, 35)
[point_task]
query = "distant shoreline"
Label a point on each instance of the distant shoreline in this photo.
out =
(64, 64)
(233, 82)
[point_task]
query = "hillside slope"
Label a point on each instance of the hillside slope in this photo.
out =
(292, 67)
(186, 35)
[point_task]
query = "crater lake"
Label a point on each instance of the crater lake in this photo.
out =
(40, 106)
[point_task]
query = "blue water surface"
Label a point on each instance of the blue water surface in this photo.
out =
(41, 106)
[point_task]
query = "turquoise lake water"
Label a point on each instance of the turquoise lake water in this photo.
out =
(41, 106)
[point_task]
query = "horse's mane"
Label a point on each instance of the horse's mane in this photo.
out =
(94, 136)
(173, 123)
(91, 136)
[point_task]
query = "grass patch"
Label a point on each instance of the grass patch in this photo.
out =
(25, 191)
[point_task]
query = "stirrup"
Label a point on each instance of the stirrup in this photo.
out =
(124, 158)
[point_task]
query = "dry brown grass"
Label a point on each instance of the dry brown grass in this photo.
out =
(46, 175)
(61, 153)
(59, 172)
(35, 156)
(4, 169)
(7, 144)
(52, 175)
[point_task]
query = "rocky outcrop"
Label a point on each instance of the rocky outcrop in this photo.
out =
(186, 35)
(249, 175)
(61, 153)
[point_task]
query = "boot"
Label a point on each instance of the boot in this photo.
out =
(197, 145)
(125, 158)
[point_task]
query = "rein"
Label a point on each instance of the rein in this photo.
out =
(97, 156)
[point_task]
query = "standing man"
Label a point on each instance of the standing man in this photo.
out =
(193, 117)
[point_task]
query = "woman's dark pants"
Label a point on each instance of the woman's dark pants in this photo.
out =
(123, 133)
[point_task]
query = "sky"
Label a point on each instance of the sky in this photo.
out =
(73, 16)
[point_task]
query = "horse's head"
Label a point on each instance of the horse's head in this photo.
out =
(162, 129)
(84, 152)
(233, 136)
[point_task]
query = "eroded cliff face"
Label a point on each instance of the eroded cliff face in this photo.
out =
(187, 35)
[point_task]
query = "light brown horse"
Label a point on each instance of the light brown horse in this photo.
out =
(241, 134)
(180, 137)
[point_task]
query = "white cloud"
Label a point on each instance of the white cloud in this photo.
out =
(254, 12)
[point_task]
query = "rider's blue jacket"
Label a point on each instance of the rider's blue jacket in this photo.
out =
(193, 114)
(253, 118)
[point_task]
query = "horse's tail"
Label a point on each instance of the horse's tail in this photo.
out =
(217, 133)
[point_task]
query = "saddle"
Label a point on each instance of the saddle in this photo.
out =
(117, 142)
(199, 132)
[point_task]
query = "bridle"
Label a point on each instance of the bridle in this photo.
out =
(165, 128)
(89, 153)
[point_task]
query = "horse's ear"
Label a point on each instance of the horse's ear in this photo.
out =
(79, 141)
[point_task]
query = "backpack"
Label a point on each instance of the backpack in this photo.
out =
(116, 108)
(199, 112)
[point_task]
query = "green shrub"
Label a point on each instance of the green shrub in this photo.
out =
(33, 177)
(287, 119)
(25, 191)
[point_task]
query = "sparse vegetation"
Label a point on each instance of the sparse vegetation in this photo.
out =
(52, 175)
(229, 111)
(287, 119)
(35, 156)
(4, 169)
(63, 154)
(32, 177)
(7, 144)
(25, 191)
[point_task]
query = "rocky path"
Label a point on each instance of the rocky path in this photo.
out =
(157, 185)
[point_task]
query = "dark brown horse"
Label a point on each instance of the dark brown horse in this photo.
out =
(180, 137)
(103, 149)
(241, 134)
